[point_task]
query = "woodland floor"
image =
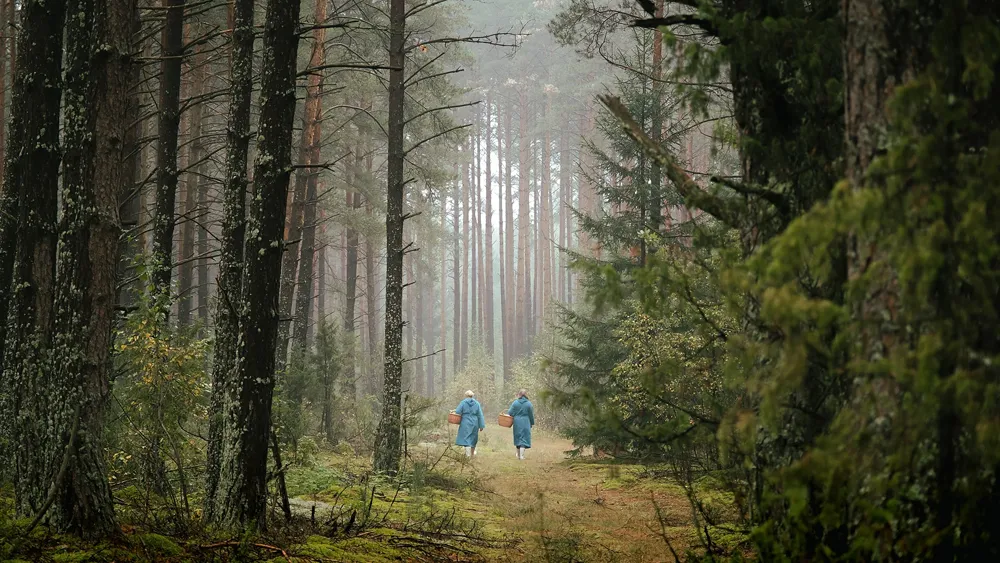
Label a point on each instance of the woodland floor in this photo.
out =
(548, 507)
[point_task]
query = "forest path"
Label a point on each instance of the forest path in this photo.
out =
(582, 509)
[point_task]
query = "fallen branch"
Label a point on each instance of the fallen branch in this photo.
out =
(257, 545)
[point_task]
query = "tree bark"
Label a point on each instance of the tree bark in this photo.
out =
(474, 283)
(129, 200)
(371, 309)
(292, 243)
(456, 273)
(65, 395)
(307, 246)
(417, 330)
(444, 295)
(565, 197)
(38, 435)
(350, 297)
(230, 283)
(408, 382)
(241, 499)
(535, 247)
(523, 323)
(321, 277)
(545, 225)
(510, 312)
(192, 189)
(389, 439)
(488, 244)
(168, 125)
(464, 237)
(4, 31)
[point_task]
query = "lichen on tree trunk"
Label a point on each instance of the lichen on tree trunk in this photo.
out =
(240, 500)
(389, 437)
(230, 286)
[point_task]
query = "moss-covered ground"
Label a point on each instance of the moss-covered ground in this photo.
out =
(444, 508)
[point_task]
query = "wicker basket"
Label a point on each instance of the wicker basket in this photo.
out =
(505, 420)
(454, 418)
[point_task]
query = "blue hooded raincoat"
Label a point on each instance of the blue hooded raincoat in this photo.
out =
(472, 422)
(524, 418)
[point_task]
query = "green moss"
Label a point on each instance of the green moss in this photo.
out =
(353, 550)
(155, 544)
(75, 557)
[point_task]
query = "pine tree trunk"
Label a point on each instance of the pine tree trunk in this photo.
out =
(417, 331)
(8, 181)
(38, 435)
(408, 382)
(488, 243)
(500, 241)
(192, 188)
(4, 31)
(97, 94)
(565, 196)
(293, 243)
(456, 272)
(444, 297)
(168, 126)
(389, 444)
(545, 225)
(241, 501)
(375, 382)
(321, 276)
(523, 299)
(427, 307)
(510, 312)
(474, 285)
(535, 248)
(464, 237)
(129, 287)
(478, 238)
(586, 195)
(313, 116)
(230, 283)
(351, 281)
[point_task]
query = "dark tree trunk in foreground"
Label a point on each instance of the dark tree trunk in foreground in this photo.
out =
(94, 169)
(166, 154)
(5, 31)
(242, 490)
(30, 193)
(233, 233)
(389, 439)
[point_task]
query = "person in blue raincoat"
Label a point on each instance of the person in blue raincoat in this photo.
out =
(473, 422)
(524, 418)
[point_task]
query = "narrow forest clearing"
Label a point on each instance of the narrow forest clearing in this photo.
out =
(546, 508)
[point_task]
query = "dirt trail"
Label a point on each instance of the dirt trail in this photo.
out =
(576, 510)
